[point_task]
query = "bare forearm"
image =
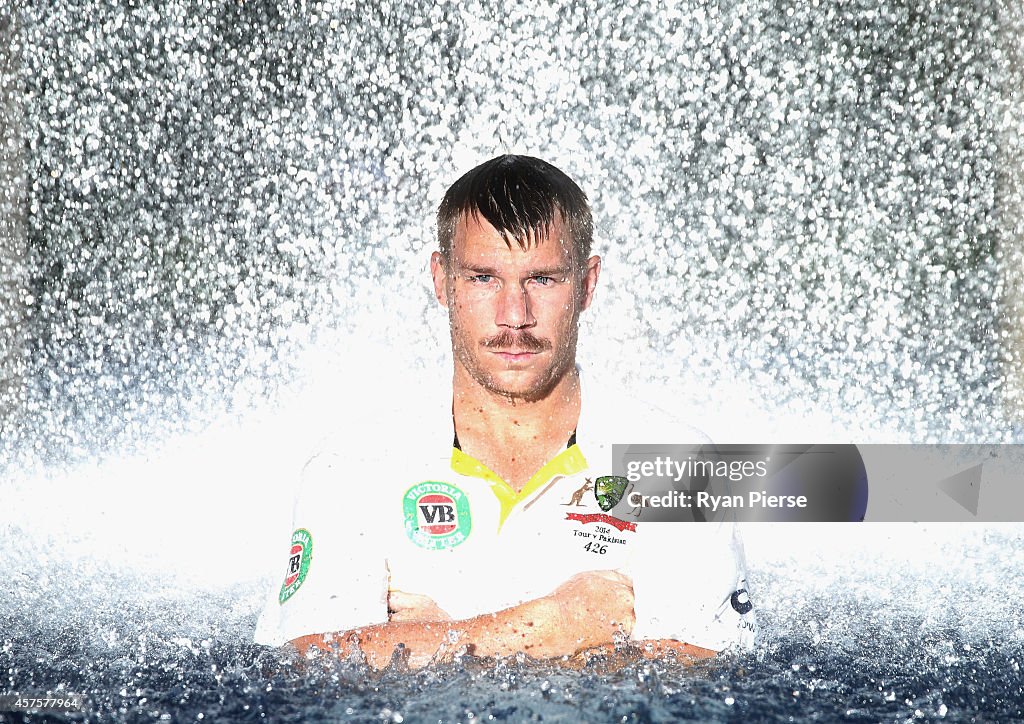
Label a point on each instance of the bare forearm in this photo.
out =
(613, 657)
(543, 628)
(378, 642)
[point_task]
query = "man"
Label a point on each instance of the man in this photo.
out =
(466, 541)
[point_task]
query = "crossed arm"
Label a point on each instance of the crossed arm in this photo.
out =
(584, 613)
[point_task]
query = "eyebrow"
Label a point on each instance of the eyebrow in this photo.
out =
(478, 269)
(542, 272)
(554, 271)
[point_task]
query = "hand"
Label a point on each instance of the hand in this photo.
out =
(404, 606)
(597, 598)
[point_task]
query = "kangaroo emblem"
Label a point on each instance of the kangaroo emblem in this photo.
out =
(578, 495)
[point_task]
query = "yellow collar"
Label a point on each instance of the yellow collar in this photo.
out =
(568, 462)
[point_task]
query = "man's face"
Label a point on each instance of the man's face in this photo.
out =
(513, 313)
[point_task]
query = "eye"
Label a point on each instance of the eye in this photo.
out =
(544, 281)
(481, 278)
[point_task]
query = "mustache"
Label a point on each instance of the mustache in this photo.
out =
(521, 340)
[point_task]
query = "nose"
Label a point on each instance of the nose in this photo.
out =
(514, 307)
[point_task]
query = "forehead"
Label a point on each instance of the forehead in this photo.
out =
(477, 242)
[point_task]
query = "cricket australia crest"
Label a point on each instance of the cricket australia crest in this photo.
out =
(608, 489)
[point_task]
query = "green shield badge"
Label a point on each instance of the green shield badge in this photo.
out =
(608, 490)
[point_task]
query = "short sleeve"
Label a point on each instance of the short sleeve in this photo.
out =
(689, 584)
(334, 571)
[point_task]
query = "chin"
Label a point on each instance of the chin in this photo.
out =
(529, 387)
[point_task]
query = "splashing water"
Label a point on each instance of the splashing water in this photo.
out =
(213, 215)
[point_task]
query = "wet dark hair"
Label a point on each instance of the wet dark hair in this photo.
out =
(519, 196)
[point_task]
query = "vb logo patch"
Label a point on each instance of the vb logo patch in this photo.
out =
(436, 515)
(298, 563)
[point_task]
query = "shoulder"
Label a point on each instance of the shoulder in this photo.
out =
(398, 416)
(614, 412)
(384, 438)
(661, 425)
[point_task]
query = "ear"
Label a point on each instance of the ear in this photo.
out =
(440, 276)
(590, 275)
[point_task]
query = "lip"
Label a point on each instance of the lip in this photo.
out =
(516, 356)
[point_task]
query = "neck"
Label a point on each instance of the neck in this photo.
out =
(503, 429)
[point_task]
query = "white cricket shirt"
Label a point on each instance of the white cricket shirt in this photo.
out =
(402, 509)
